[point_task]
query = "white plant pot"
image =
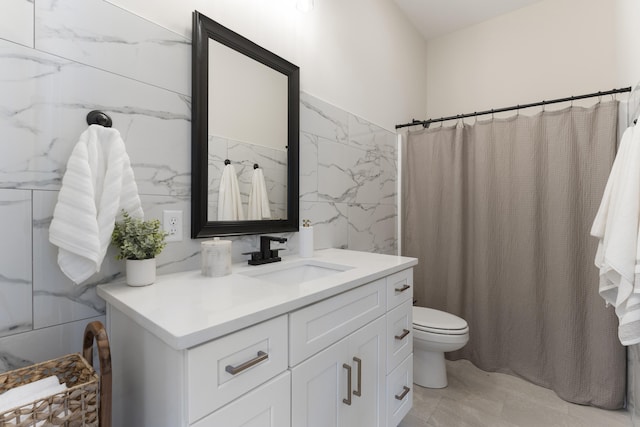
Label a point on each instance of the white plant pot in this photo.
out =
(141, 272)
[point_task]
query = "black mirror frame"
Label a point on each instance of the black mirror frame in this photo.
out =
(204, 29)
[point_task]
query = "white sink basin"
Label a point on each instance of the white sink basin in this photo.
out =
(296, 272)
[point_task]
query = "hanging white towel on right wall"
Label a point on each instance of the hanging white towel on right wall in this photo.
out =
(258, 197)
(617, 228)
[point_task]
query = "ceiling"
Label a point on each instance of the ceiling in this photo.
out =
(437, 17)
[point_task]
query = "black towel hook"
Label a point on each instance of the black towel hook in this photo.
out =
(256, 166)
(227, 161)
(97, 117)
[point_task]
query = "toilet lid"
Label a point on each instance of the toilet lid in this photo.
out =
(432, 320)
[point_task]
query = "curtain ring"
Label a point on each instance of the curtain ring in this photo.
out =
(599, 97)
(572, 98)
(544, 105)
(441, 121)
(492, 115)
(518, 110)
(475, 116)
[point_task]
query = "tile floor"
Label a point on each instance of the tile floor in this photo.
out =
(475, 398)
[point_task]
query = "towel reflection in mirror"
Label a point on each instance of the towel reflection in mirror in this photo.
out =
(229, 198)
(229, 202)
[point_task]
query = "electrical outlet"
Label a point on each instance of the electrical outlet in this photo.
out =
(172, 225)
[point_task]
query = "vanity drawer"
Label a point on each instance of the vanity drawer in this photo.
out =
(223, 369)
(399, 334)
(316, 327)
(399, 288)
(399, 392)
(267, 406)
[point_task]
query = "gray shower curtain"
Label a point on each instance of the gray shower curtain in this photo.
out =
(499, 214)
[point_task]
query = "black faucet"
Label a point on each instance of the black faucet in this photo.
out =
(266, 255)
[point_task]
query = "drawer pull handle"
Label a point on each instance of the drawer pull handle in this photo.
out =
(348, 399)
(405, 390)
(404, 333)
(402, 289)
(233, 370)
(358, 392)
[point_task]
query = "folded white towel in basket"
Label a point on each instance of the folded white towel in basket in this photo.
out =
(27, 393)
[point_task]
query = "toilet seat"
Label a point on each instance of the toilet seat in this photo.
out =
(438, 322)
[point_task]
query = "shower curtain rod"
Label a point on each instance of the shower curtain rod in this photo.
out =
(426, 123)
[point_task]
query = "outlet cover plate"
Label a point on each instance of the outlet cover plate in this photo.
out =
(172, 225)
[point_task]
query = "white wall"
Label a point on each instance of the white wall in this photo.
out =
(551, 49)
(345, 49)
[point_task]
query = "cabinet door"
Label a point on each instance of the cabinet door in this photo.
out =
(318, 387)
(367, 357)
(266, 406)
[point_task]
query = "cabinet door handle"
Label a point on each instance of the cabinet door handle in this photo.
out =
(348, 399)
(233, 370)
(358, 391)
(405, 390)
(402, 289)
(404, 333)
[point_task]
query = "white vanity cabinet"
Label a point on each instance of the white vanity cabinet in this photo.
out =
(155, 385)
(344, 384)
(232, 352)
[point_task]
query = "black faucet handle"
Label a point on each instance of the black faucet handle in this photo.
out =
(255, 256)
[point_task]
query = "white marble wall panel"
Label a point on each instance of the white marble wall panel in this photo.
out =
(375, 176)
(376, 170)
(308, 167)
(366, 135)
(15, 262)
(372, 228)
(42, 113)
(16, 21)
(176, 256)
(322, 119)
(336, 165)
(330, 223)
(17, 351)
(102, 35)
(56, 299)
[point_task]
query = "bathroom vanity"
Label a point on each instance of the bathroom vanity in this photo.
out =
(313, 342)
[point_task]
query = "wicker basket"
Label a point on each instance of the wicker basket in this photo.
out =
(87, 400)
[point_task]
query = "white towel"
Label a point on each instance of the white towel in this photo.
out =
(27, 393)
(258, 197)
(229, 202)
(96, 186)
(617, 227)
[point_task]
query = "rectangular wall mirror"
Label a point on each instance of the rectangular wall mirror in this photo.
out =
(245, 119)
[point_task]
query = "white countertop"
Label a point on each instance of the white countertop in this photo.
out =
(186, 309)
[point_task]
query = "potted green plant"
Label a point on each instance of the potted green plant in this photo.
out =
(138, 242)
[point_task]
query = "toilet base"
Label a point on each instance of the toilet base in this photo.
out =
(429, 369)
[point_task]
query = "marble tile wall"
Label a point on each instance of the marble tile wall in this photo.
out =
(59, 59)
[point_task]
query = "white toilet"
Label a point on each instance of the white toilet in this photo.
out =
(434, 333)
